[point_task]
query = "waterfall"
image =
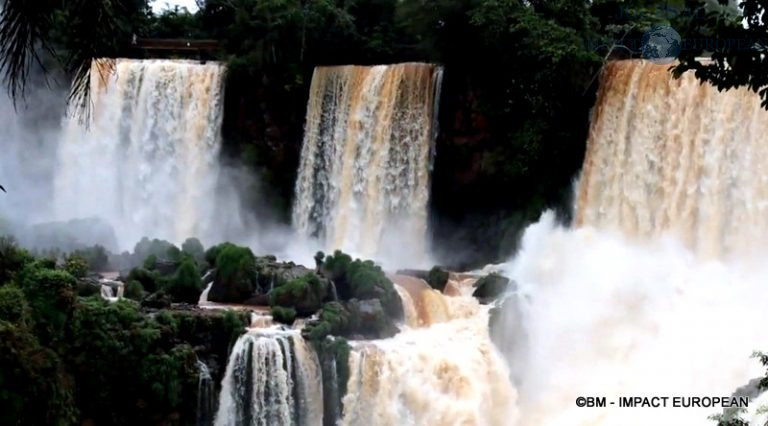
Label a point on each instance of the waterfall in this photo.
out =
(106, 292)
(443, 371)
(676, 157)
(363, 182)
(204, 395)
(650, 292)
(273, 378)
(146, 159)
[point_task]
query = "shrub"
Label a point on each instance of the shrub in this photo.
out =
(148, 279)
(173, 254)
(160, 248)
(334, 319)
(235, 278)
(96, 257)
(35, 390)
(51, 295)
(134, 290)
(360, 279)
(283, 315)
(13, 305)
(76, 266)
(12, 259)
(304, 294)
(150, 263)
(186, 284)
(194, 248)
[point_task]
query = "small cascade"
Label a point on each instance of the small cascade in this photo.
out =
(440, 370)
(204, 295)
(106, 292)
(111, 291)
(273, 378)
(204, 396)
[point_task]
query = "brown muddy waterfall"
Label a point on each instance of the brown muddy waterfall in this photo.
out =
(363, 182)
(677, 157)
(658, 288)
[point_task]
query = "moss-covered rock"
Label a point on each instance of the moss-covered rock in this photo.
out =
(362, 279)
(88, 286)
(369, 319)
(437, 278)
(157, 300)
(305, 294)
(283, 315)
(334, 319)
(490, 287)
(272, 274)
(235, 276)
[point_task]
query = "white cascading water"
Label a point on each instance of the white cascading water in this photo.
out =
(441, 369)
(656, 290)
(363, 182)
(272, 379)
(205, 395)
(147, 160)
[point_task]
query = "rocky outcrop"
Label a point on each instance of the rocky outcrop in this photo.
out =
(369, 319)
(304, 294)
(490, 287)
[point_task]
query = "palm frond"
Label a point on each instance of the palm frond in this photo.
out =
(23, 27)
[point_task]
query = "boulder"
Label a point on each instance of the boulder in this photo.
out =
(369, 319)
(490, 287)
(272, 274)
(88, 286)
(157, 300)
(437, 277)
(257, 300)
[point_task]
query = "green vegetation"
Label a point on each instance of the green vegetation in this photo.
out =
(71, 360)
(76, 266)
(361, 279)
(134, 291)
(235, 278)
(194, 248)
(519, 83)
(282, 314)
(334, 320)
(186, 285)
(304, 294)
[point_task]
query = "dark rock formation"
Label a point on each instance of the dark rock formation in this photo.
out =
(490, 287)
(369, 319)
